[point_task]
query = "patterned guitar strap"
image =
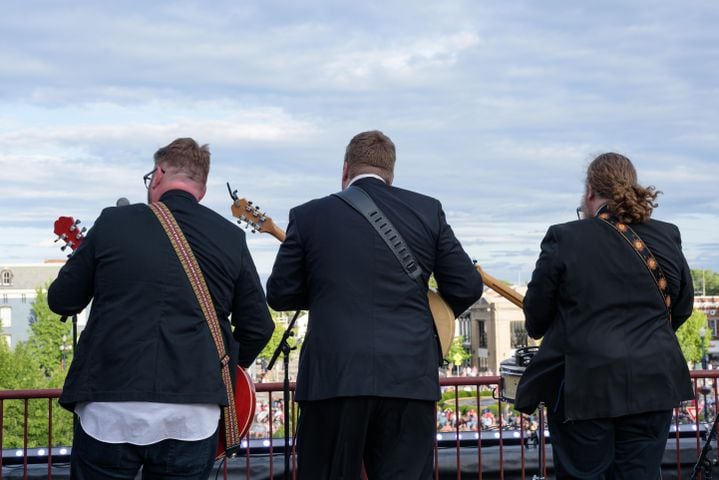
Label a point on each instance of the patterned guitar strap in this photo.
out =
(199, 286)
(644, 253)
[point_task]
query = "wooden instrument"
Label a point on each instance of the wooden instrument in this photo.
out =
(245, 402)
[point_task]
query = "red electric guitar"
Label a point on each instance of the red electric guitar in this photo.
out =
(68, 231)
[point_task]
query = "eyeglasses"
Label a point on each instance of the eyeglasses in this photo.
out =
(147, 178)
(579, 213)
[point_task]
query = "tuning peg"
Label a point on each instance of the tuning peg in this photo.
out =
(74, 227)
(63, 247)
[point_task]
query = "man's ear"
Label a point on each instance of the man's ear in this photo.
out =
(589, 193)
(345, 175)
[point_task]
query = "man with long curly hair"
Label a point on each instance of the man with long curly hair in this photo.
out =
(607, 294)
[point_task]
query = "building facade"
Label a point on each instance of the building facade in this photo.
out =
(18, 290)
(491, 330)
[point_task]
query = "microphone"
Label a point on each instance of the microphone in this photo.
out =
(122, 202)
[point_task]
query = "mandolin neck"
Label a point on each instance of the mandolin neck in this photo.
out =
(501, 288)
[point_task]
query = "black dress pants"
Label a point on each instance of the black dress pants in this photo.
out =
(627, 447)
(394, 437)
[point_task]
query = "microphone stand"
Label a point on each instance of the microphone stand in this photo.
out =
(284, 348)
(704, 463)
(540, 444)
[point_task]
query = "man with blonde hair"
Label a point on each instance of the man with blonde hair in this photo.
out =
(368, 378)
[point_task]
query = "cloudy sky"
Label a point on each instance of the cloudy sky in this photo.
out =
(496, 108)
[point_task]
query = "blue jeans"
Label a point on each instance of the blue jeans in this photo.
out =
(92, 459)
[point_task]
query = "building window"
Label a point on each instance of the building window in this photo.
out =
(6, 277)
(483, 343)
(482, 364)
(465, 327)
(23, 297)
(6, 317)
(519, 335)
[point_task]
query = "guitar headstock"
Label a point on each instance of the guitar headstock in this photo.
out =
(251, 216)
(68, 230)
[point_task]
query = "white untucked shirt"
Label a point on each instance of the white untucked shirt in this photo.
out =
(144, 423)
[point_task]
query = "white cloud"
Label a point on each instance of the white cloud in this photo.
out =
(495, 109)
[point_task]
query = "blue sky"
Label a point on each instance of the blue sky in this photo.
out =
(496, 108)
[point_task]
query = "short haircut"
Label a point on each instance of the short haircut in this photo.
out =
(186, 157)
(371, 152)
(613, 177)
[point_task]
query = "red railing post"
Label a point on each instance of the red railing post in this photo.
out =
(49, 438)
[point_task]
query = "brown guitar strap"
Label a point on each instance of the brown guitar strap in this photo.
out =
(644, 253)
(199, 286)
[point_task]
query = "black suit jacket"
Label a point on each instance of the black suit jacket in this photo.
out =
(370, 330)
(607, 334)
(146, 338)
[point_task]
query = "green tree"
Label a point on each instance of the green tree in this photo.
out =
(280, 327)
(48, 341)
(20, 370)
(457, 354)
(36, 364)
(689, 338)
(705, 281)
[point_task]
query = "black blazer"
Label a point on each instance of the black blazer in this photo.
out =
(370, 330)
(607, 333)
(146, 338)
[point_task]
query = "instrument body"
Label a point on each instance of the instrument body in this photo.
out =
(245, 403)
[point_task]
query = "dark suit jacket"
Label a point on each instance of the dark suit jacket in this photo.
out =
(146, 338)
(606, 330)
(370, 330)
